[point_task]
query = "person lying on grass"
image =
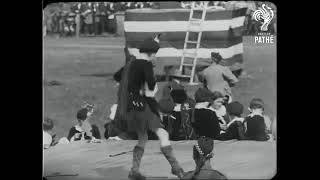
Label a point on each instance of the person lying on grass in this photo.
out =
(202, 153)
(84, 130)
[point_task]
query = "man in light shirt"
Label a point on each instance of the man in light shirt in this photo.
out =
(217, 77)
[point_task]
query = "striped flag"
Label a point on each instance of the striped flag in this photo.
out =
(222, 32)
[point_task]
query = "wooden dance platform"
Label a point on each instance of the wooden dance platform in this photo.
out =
(81, 160)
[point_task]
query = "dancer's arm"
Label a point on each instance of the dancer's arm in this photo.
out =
(149, 75)
(118, 75)
(231, 78)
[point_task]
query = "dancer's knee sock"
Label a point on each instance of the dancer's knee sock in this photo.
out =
(137, 156)
(168, 153)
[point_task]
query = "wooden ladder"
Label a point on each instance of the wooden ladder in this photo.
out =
(195, 26)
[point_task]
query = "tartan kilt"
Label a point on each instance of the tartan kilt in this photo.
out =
(142, 121)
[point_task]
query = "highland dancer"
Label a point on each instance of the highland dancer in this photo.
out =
(140, 110)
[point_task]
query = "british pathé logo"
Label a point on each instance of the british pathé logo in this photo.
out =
(265, 14)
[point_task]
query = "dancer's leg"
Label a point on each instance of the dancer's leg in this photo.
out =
(163, 136)
(166, 149)
(137, 156)
(142, 139)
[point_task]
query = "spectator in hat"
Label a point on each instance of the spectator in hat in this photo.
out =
(234, 129)
(82, 11)
(206, 121)
(112, 8)
(88, 18)
(97, 18)
(61, 23)
(202, 154)
(84, 130)
(217, 77)
(255, 126)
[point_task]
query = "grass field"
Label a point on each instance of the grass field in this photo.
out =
(84, 69)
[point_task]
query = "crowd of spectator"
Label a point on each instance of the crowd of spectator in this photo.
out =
(211, 113)
(97, 18)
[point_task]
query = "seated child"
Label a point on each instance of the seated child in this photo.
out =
(84, 130)
(175, 106)
(234, 129)
(47, 126)
(221, 112)
(255, 127)
(206, 122)
(202, 153)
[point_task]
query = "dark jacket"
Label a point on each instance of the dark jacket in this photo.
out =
(206, 123)
(172, 93)
(95, 133)
(255, 128)
(234, 131)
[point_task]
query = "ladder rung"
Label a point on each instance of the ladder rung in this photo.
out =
(182, 75)
(195, 19)
(189, 53)
(187, 64)
(196, 29)
(192, 42)
(195, 23)
(193, 83)
(198, 9)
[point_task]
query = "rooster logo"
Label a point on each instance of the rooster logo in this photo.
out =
(266, 14)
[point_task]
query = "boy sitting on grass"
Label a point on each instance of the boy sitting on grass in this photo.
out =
(84, 130)
(255, 126)
(206, 121)
(234, 129)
